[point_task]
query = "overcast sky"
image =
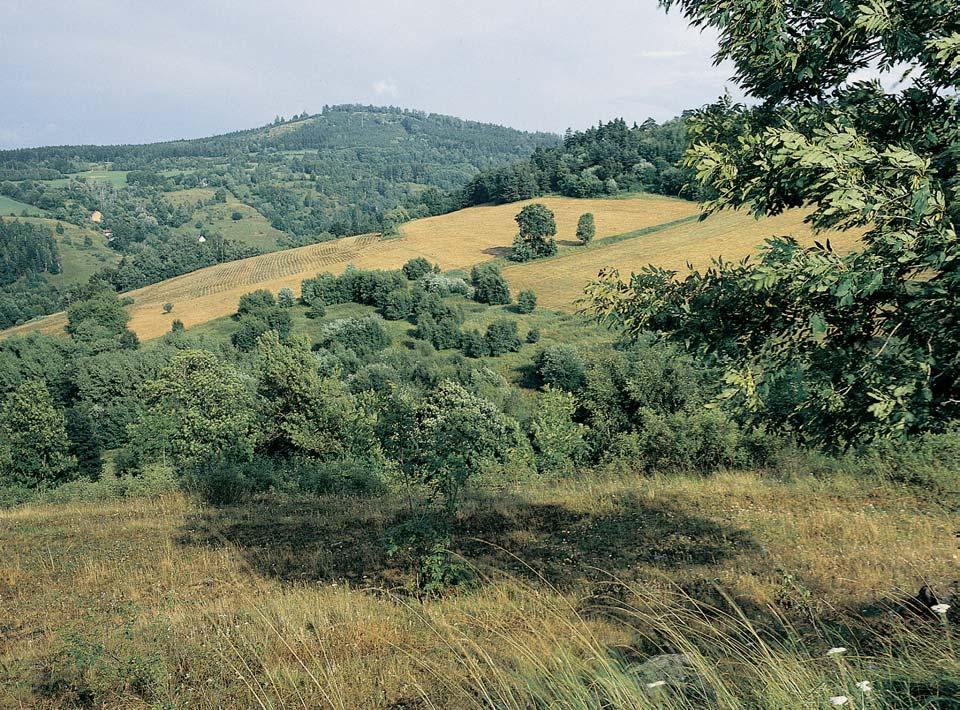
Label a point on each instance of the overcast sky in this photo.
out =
(124, 71)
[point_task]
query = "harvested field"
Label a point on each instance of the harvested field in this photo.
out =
(560, 281)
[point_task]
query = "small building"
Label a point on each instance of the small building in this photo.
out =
(108, 234)
(201, 239)
(97, 216)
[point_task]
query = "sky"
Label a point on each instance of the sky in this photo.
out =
(119, 71)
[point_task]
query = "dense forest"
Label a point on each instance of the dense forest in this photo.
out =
(605, 160)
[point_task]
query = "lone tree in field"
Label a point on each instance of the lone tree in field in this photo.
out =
(536, 236)
(840, 349)
(586, 228)
(167, 307)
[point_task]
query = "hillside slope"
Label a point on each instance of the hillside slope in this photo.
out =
(560, 281)
(630, 233)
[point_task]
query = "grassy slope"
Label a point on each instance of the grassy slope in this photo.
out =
(78, 262)
(10, 206)
(454, 241)
(160, 602)
(630, 234)
(117, 178)
(253, 229)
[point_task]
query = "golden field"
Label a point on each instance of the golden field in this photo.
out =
(467, 237)
(162, 602)
(560, 281)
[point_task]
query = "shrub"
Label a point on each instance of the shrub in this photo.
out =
(363, 336)
(167, 307)
(929, 461)
(323, 289)
(586, 228)
(343, 476)
(526, 302)
(375, 377)
(255, 302)
(501, 337)
(472, 344)
(252, 326)
(236, 216)
(703, 440)
(556, 438)
(369, 288)
(285, 298)
(489, 284)
(560, 366)
(397, 305)
(533, 335)
(417, 267)
(443, 333)
(444, 285)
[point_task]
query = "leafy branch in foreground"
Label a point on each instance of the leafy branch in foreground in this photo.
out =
(841, 348)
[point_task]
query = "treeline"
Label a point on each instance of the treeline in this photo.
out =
(604, 160)
(26, 249)
(28, 253)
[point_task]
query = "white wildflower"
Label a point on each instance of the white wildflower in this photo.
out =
(940, 608)
(657, 684)
(865, 686)
(837, 650)
(839, 700)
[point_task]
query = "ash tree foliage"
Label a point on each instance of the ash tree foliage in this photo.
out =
(536, 237)
(199, 409)
(34, 446)
(841, 348)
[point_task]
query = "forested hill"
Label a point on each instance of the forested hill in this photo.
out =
(169, 208)
(337, 172)
(401, 133)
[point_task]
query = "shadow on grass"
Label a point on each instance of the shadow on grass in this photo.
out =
(344, 539)
(499, 252)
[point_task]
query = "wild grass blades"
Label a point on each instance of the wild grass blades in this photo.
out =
(726, 662)
(266, 604)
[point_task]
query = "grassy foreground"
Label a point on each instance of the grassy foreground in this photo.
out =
(163, 602)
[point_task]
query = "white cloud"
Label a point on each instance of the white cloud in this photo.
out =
(385, 87)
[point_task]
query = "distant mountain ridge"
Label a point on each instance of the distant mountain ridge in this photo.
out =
(284, 134)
